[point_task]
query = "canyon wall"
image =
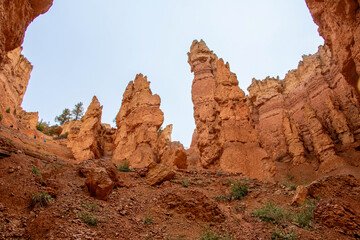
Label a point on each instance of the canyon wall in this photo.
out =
(308, 116)
(339, 25)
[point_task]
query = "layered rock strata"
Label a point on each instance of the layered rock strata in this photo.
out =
(138, 122)
(339, 24)
(309, 114)
(14, 79)
(226, 138)
(85, 141)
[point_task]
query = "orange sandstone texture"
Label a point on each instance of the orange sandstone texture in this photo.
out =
(339, 25)
(85, 141)
(138, 122)
(139, 139)
(226, 138)
(303, 118)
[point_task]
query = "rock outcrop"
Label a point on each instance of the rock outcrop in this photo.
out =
(14, 79)
(226, 138)
(15, 16)
(101, 178)
(85, 141)
(311, 114)
(170, 153)
(339, 24)
(138, 122)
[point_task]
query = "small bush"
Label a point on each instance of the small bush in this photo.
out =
(1, 117)
(185, 183)
(90, 206)
(124, 167)
(35, 170)
(148, 220)
(271, 212)
(305, 216)
(42, 198)
(63, 136)
(89, 219)
(281, 235)
(292, 186)
(238, 191)
(8, 110)
(41, 126)
(209, 235)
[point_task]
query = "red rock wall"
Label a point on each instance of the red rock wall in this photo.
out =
(308, 113)
(339, 24)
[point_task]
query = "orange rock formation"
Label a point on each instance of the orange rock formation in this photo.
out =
(85, 141)
(339, 23)
(226, 138)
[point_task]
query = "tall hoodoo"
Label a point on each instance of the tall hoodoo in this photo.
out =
(138, 122)
(226, 138)
(203, 65)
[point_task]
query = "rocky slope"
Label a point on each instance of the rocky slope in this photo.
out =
(339, 25)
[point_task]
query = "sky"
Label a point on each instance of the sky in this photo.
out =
(84, 48)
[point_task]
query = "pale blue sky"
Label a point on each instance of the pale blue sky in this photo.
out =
(89, 47)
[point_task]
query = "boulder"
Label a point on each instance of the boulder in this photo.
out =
(158, 173)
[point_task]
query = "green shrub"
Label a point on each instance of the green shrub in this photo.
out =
(292, 186)
(1, 117)
(185, 183)
(63, 136)
(89, 219)
(281, 235)
(42, 198)
(271, 212)
(238, 191)
(35, 170)
(148, 220)
(209, 235)
(305, 216)
(8, 110)
(124, 167)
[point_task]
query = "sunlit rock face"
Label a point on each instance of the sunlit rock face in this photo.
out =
(339, 25)
(308, 116)
(225, 136)
(14, 78)
(15, 16)
(138, 122)
(85, 142)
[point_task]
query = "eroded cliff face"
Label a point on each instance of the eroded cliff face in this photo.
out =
(85, 141)
(138, 122)
(14, 78)
(15, 16)
(226, 138)
(339, 24)
(309, 116)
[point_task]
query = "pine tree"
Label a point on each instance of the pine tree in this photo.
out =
(78, 111)
(64, 117)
